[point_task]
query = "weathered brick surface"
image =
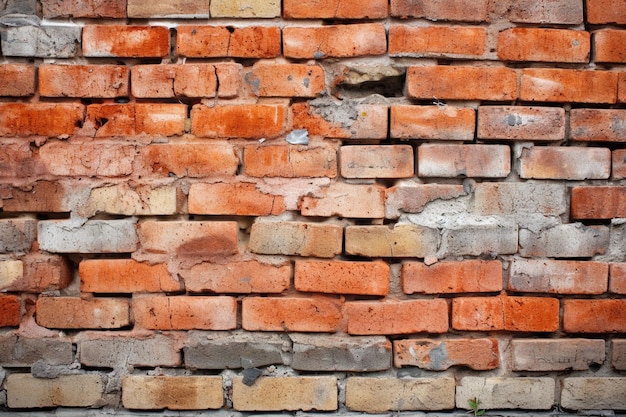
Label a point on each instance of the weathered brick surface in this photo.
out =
(17, 351)
(345, 200)
(432, 122)
(531, 393)
(220, 41)
(26, 391)
(140, 200)
(607, 45)
(17, 235)
(556, 354)
(618, 354)
(290, 161)
(115, 9)
(606, 11)
(597, 125)
(452, 277)
(544, 45)
(436, 40)
(20, 80)
(602, 202)
(125, 41)
(245, 8)
(447, 161)
(250, 121)
(366, 278)
(45, 119)
(521, 123)
(77, 313)
(103, 350)
(294, 314)
(172, 392)
(587, 393)
(562, 12)
(327, 9)
(413, 197)
(178, 8)
(441, 354)
(101, 81)
(558, 276)
(125, 275)
(617, 277)
(457, 10)
(565, 85)
(478, 236)
(531, 197)
(404, 240)
(93, 236)
(296, 238)
(10, 308)
(374, 161)
(573, 240)
(41, 41)
(286, 80)
(552, 162)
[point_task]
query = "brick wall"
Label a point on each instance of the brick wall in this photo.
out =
(312, 205)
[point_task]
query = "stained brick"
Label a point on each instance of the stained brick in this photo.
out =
(99, 81)
(345, 200)
(441, 354)
(455, 10)
(558, 276)
(142, 9)
(121, 350)
(403, 240)
(17, 234)
(125, 41)
(594, 316)
(125, 275)
(335, 41)
(334, 9)
(39, 196)
(618, 164)
(572, 240)
(618, 354)
(21, 352)
(18, 80)
(46, 119)
(530, 393)
(521, 123)
(585, 393)
(556, 354)
(598, 125)
(239, 198)
(436, 41)
(414, 197)
(286, 80)
(568, 85)
(124, 199)
(249, 121)
(530, 197)
(451, 160)
(342, 277)
(432, 122)
(397, 317)
(115, 9)
(35, 40)
(78, 313)
(39, 272)
(291, 161)
(88, 158)
(451, 277)
(606, 11)
(544, 45)
(220, 41)
(191, 392)
(568, 163)
(560, 12)
(598, 202)
(27, 391)
(296, 238)
(617, 277)
(292, 314)
(376, 161)
(11, 271)
(10, 309)
(478, 236)
(245, 8)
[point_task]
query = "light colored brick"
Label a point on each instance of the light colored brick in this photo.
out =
(78, 313)
(451, 277)
(342, 277)
(131, 200)
(115, 9)
(437, 10)
(26, 391)
(172, 392)
(556, 354)
(334, 9)
(292, 314)
(568, 163)
(436, 41)
(562, 12)
(558, 276)
(568, 85)
(11, 271)
(88, 159)
(245, 8)
(121, 350)
(525, 198)
(441, 354)
(125, 276)
(544, 45)
(286, 393)
(40, 273)
(296, 238)
(403, 240)
(445, 122)
(521, 123)
(572, 240)
(143, 9)
(345, 200)
(377, 395)
(449, 161)
(41, 41)
(412, 197)
(376, 161)
(618, 354)
(530, 393)
(92, 236)
(479, 236)
(589, 393)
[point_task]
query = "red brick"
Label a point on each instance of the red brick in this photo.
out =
(348, 119)
(125, 276)
(342, 277)
(521, 123)
(163, 119)
(78, 313)
(413, 197)
(594, 316)
(609, 45)
(461, 83)
(598, 202)
(557, 276)
(460, 10)
(190, 9)
(568, 163)
(188, 160)
(135, 119)
(544, 45)
(617, 277)
(520, 314)
(376, 161)
(222, 41)
(568, 85)
(291, 314)
(621, 87)
(439, 355)
(40, 196)
(242, 198)
(241, 277)
(488, 161)
(189, 238)
(432, 122)
(45, 119)
(452, 277)
(159, 312)
(403, 240)
(606, 11)
(334, 41)
(436, 41)
(560, 12)
(248, 121)
(87, 159)
(98, 81)
(296, 238)
(290, 161)
(43, 273)
(397, 317)
(618, 164)
(345, 200)
(10, 313)
(125, 41)
(17, 160)
(286, 80)
(18, 80)
(115, 9)
(598, 125)
(334, 9)
(188, 80)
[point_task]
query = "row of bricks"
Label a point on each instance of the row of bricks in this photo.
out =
(333, 41)
(326, 314)
(320, 393)
(330, 277)
(201, 350)
(320, 118)
(560, 12)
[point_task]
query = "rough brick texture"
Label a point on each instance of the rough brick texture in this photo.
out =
(312, 206)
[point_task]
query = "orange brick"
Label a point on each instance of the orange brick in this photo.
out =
(334, 9)
(241, 277)
(436, 41)
(598, 202)
(115, 9)
(134, 119)
(568, 85)
(345, 200)
(45, 119)
(159, 312)
(291, 314)
(557, 276)
(618, 164)
(242, 198)
(42, 272)
(561, 12)
(413, 197)
(10, 314)
(459, 10)
(98, 81)
(476, 354)
(597, 125)
(521, 123)
(125, 276)
(397, 317)
(87, 159)
(222, 41)
(568, 163)
(77, 313)
(296, 238)
(189, 238)
(606, 11)
(335, 41)
(461, 83)
(432, 122)
(609, 45)
(544, 45)
(187, 160)
(621, 87)
(617, 277)
(594, 316)
(248, 121)
(348, 119)
(376, 161)
(342, 277)
(18, 80)
(286, 80)
(452, 277)
(488, 161)
(290, 161)
(125, 41)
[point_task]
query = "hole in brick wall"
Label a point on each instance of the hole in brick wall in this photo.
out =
(231, 29)
(387, 87)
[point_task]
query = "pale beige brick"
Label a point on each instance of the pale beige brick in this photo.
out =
(26, 391)
(172, 392)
